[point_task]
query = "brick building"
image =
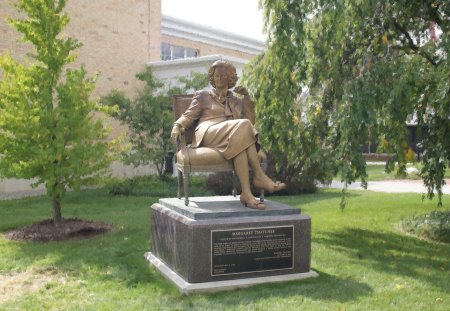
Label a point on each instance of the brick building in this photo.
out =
(120, 38)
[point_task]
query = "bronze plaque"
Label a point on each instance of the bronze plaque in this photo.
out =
(252, 250)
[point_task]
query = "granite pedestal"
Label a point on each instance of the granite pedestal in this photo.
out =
(215, 243)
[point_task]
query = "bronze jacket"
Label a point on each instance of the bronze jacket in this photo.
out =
(208, 110)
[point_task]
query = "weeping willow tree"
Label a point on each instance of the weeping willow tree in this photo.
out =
(340, 73)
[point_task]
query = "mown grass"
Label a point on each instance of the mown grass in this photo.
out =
(364, 261)
(376, 172)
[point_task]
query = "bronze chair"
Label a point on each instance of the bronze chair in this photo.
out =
(200, 159)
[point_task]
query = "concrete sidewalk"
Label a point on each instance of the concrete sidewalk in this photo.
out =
(390, 186)
(21, 194)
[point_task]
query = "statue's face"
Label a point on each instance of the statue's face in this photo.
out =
(221, 77)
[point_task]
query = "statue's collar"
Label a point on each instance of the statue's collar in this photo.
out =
(219, 97)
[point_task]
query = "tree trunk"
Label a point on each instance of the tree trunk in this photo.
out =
(168, 164)
(56, 210)
(160, 167)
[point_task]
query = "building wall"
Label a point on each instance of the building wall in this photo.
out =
(169, 71)
(118, 38)
(9, 37)
(206, 49)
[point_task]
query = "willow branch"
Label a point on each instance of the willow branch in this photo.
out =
(412, 45)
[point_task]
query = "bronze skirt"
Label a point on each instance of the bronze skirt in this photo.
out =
(230, 137)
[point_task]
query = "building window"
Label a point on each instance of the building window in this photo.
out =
(171, 52)
(165, 52)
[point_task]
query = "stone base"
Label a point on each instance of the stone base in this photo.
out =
(216, 239)
(212, 287)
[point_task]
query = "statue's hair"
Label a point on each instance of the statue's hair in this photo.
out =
(231, 71)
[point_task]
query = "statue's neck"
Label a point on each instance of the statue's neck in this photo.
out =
(221, 93)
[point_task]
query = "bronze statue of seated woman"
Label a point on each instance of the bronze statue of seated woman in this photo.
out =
(225, 123)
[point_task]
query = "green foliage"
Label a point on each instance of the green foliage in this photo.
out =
(221, 183)
(367, 67)
(149, 116)
(48, 128)
(194, 82)
(156, 187)
(434, 225)
(292, 134)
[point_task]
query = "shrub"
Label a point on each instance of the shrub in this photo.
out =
(152, 185)
(221, 183)
(434, 226)
(297, 181)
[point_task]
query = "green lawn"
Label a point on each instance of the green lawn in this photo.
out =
(364, 262)
(376, 172)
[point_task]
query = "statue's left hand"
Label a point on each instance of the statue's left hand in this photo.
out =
(241, 90)
(176, 131)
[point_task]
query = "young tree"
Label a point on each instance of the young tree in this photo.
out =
(368, 66)
(149, 117)
(48, 130)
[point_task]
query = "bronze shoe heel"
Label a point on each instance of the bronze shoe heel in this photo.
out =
(254, 205)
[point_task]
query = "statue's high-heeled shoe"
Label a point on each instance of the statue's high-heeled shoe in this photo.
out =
(252, 203)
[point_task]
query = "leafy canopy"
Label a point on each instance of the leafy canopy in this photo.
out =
(49, 129)
(339, 73)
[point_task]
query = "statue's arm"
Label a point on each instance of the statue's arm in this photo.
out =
(248, 107)
(188, 117)
(193, 113)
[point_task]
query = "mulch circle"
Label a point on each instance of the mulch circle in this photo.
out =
(67, 229)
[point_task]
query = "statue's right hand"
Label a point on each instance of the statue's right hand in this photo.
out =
(241, 90)
(175, 133)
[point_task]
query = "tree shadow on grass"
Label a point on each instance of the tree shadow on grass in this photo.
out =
(114, 256)
(326, 287)
(118, 256)
(393, 253)
(109, 259)
(302, 199)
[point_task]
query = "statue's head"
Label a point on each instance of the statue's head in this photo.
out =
(230, 69)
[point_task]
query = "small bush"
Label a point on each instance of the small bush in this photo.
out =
(433, 226)
(153, 186)
(221, 183)
(296, 182)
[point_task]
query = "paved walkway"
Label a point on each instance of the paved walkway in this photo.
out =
(390, 186)
(20, 194)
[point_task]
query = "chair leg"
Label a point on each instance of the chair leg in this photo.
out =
(234, 191)
(264, 168)
(179, 177)
(186, 188)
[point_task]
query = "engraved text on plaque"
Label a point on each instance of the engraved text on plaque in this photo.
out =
(252, 250)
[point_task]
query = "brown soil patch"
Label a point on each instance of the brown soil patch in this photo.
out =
(67, 229)
(13, 285)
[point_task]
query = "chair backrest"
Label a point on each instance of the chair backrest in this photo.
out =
(180, 104)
